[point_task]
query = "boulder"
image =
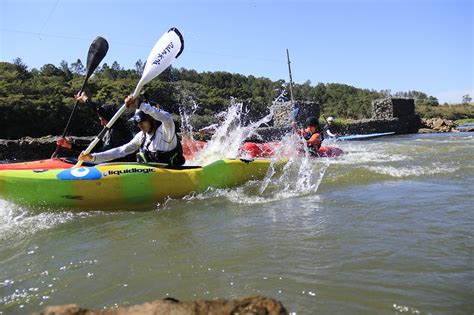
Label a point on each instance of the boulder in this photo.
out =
(247, 305)
(438, 123)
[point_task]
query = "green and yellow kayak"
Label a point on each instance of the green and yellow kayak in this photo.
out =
(117, 186)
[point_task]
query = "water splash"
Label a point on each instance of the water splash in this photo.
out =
(187, 109)
(17, 222)
(301, 174)
(226, 141)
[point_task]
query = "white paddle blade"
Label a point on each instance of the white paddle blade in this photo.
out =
(168, 47)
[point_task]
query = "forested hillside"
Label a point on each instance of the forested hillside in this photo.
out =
(37, 102)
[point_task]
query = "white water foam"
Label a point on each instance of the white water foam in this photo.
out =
(226, 141)
(412, 171)
(18, 222)
(186, 111)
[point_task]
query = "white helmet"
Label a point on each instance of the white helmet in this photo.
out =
(330, 119)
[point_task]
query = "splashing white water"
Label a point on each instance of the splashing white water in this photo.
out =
(17, 222)
(300, 175)
(187, 110)
(226, 141)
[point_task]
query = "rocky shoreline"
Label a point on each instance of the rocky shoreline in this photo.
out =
(28, 148)
(247, 305)
(432, 125)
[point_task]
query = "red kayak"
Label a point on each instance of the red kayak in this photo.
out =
(269, 149)
(41, 164)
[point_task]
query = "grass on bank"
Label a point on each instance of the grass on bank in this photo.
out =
(451, 112)
(461, 122)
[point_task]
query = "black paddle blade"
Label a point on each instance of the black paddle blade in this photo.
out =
(97, 52)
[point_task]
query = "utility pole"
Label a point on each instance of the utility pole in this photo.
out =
(291, 79)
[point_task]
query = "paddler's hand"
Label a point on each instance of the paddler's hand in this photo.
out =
(85, 157)
(81, 97)
(131, 102)
(62, 142)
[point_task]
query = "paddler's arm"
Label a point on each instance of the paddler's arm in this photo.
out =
(332, 135)
(115, 153)
(83, 98)
(163, 116)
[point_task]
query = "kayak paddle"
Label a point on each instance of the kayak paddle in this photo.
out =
(97, 52)
(168, 48)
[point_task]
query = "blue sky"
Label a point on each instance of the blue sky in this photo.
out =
(398, 45)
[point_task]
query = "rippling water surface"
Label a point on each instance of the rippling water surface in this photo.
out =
(387, 228)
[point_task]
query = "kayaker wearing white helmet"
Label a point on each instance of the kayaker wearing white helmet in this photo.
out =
(329, 129)
(156, 142)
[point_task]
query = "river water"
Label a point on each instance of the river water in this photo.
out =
(387, 228)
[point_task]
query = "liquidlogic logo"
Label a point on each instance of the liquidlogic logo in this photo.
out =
(86, 173)
(129, 171)
(162, 55)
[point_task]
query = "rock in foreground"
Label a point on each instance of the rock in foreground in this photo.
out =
(246, 305)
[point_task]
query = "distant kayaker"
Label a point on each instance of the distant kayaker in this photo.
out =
(156, 142)
(330, 130)
(118, 135)
(311, 134)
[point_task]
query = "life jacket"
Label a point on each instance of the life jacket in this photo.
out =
(173, 157)
(307, 136)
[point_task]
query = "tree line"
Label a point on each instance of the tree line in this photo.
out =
(37, 102)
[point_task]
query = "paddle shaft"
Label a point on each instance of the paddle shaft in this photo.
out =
(74, 108)
(324, 117)
(101, 135)
(66, 129)
(291, 79)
